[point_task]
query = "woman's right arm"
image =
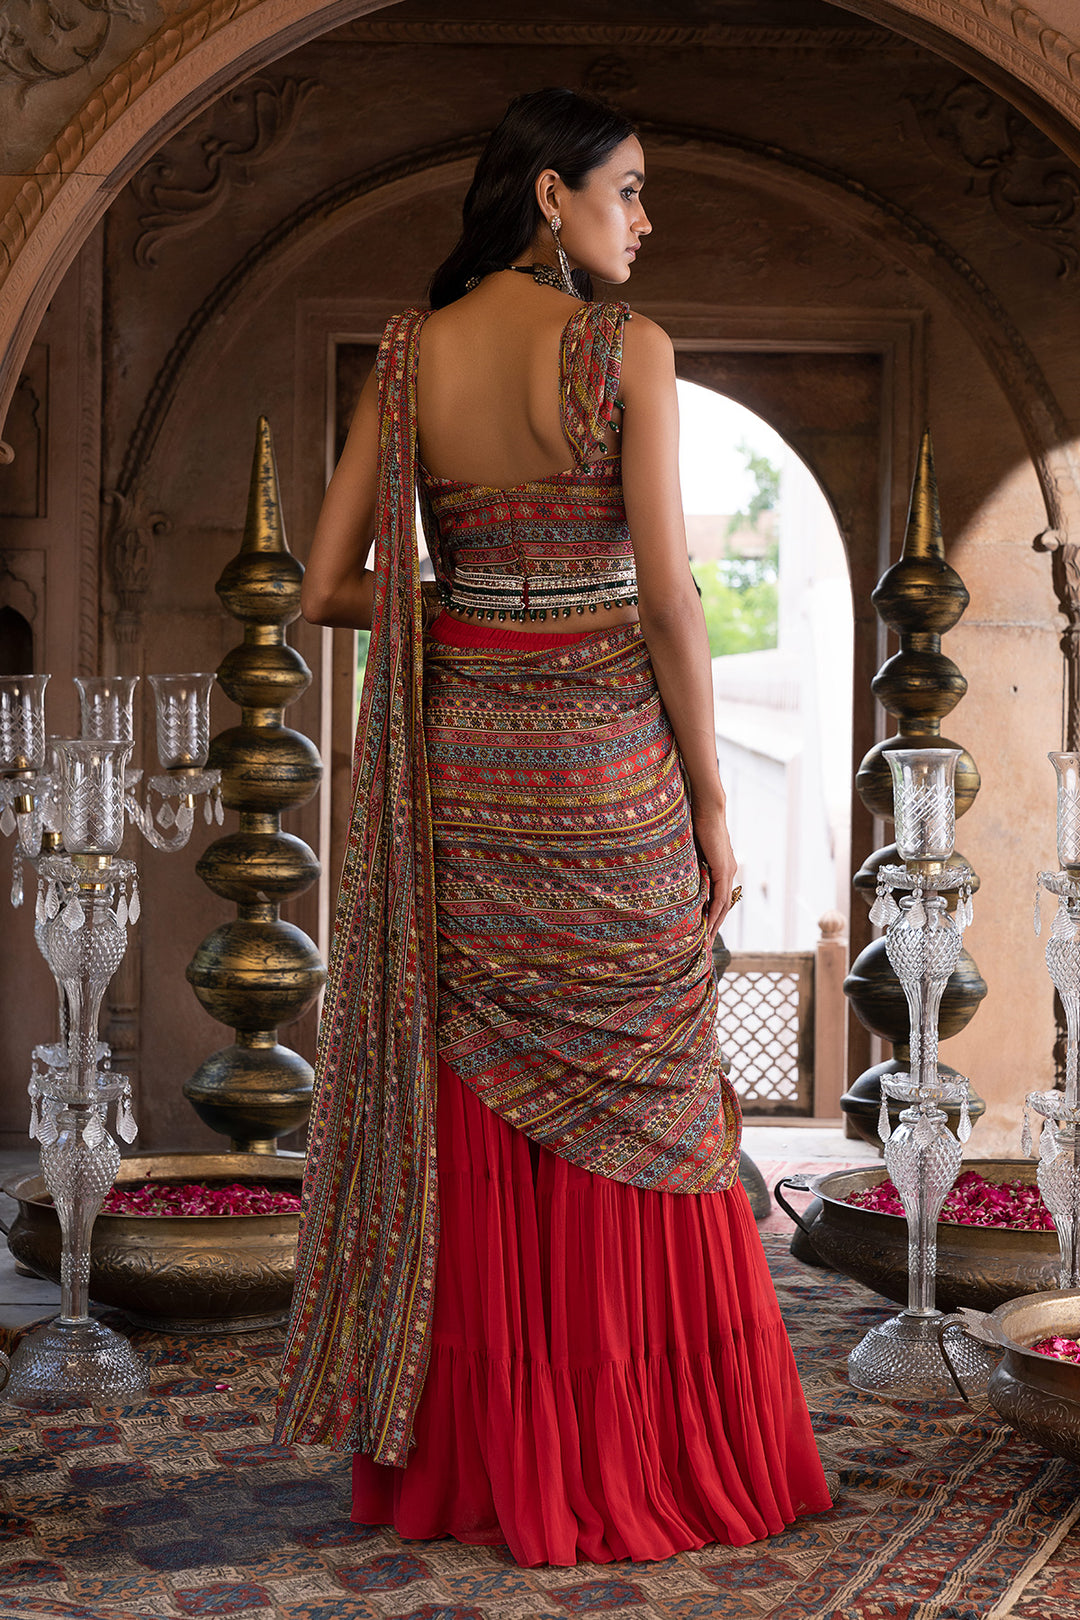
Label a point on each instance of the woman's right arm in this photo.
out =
(669, 607)
(337, 588)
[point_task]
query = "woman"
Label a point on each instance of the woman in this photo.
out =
(536, 1308)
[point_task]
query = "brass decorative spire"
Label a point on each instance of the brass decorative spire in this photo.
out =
(920, 597)
(257, 971)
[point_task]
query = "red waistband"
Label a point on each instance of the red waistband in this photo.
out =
(482, 633)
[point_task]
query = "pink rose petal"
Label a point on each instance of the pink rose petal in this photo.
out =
(1063, 1349)
(973, 1201)
(197, 1199)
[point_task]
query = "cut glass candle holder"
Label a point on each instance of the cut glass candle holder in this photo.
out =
(902, 1357)
(92, 795)
(106, 704)
(22, 723)
(74, 1357)
(183, 720)
(81, 794)
(1058, 1112)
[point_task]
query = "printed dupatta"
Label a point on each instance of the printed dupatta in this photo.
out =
(359, 1335)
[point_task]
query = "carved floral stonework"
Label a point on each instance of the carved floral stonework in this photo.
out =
(129, 555)
(386, 29)
(192, 178)
(609, 76)
(45, 40)
(1032, 188)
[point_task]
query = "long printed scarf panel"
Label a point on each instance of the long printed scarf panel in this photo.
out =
(358, 1341)
(576, 994)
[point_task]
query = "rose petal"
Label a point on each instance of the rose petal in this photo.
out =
(195, 1199)
(973, 1201)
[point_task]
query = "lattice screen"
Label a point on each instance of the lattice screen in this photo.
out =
(766, 1027)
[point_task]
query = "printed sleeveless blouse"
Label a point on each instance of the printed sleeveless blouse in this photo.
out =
(553, 546)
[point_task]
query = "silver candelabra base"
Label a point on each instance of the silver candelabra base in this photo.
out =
(83, 907)
(901, 1357)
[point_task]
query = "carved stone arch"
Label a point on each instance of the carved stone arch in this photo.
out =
(913, 242)
(724, 155)
(192, 58)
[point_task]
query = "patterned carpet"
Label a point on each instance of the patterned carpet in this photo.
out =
(181, 1506)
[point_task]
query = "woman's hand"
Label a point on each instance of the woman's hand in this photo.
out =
(718, 858)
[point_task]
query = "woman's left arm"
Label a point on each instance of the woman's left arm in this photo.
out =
(338, 590)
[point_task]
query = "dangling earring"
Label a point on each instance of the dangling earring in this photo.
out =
(564, 263)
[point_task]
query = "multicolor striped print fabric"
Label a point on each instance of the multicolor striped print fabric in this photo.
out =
(576, 995)
(357, 1349)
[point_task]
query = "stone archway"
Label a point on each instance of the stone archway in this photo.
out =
(51, 205)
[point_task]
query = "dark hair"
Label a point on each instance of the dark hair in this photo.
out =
(546, 129)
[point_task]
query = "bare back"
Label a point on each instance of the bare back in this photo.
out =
(488, 404)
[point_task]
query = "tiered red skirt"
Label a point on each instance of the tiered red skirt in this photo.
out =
(610, 1376)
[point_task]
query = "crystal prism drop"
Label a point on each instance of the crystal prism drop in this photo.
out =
(134, 904)
(884, 1125)
(878, 912)
(122, 910)
(39, 907)
(52, 900)
(1037, 919)
(166, 814)
(1025, 1134)
(916, 912)
(32, 1133)
(93, 1130)
(17, 884)
(72, 915)
(219, 810)
(7, 821)
(125, 1120)
(185, 818)
(208, 810)
(963, 1129)
(47, 1131)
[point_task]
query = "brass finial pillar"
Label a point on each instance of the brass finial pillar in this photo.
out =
(257, 971)
(920, 597)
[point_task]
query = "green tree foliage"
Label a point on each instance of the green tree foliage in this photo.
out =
(739, 594)
(739, 597)
(766, 476)
(363, 637)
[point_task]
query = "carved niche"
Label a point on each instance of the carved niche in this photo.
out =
(24, 478)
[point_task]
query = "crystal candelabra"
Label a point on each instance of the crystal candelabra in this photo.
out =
(901, 1357)
(69, 800)
(1059, 1145)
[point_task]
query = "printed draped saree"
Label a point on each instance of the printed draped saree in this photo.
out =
(573, 993)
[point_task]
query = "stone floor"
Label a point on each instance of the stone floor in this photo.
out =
(775, 1148)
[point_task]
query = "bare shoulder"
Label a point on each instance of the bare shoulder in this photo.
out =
(648, 355)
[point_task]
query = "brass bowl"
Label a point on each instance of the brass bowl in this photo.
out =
(178, 1273)
(1039, 1396)
(977, 1266)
